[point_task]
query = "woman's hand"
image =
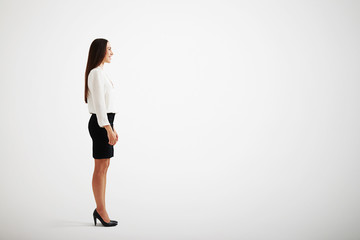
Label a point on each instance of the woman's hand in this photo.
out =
(117, 137)
(112, 136)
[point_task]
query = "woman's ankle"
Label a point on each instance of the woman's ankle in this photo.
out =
(100, 209)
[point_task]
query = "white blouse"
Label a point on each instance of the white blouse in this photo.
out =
(101, 95)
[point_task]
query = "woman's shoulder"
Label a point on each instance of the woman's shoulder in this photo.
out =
(96, 69)
(95, 72)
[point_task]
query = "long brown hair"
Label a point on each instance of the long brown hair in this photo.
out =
(96, 55)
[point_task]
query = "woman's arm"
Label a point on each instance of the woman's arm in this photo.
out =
(97, 88)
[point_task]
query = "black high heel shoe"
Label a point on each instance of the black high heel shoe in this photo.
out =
(110, 219)
(96, 215)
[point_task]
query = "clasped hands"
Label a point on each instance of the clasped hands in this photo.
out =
(112, 136)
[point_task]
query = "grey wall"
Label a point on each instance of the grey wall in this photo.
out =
(238, 119)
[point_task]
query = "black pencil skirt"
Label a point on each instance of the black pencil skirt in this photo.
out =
(100, 141)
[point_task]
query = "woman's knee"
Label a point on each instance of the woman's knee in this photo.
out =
(101, 165)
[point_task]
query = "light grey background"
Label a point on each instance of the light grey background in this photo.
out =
(237, 119)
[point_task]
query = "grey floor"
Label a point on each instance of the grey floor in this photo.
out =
(238, 120)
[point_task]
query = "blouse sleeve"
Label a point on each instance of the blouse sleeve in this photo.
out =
(96, 85)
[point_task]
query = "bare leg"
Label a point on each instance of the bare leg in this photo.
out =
(99, 185)
(104, 182)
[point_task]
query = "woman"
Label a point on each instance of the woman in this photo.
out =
(99, 95)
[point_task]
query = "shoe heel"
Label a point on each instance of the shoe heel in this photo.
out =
(96, 215)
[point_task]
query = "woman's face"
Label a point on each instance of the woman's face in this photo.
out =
(108, 54)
